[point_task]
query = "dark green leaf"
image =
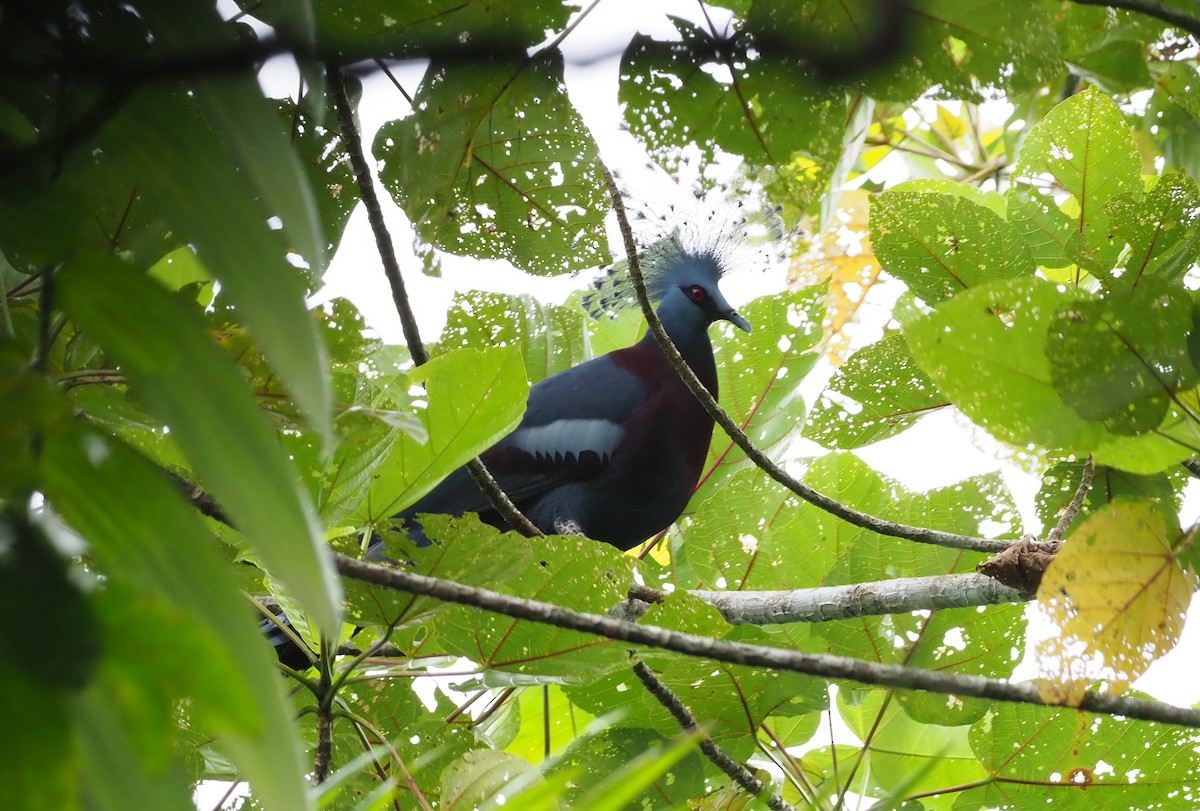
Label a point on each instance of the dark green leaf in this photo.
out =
(145, 534)
(495, 163)
(46, 621)
(1120, 360)
(414, 28)
(41, 762)
(961, 47)
(190, 384)
(222, 197)
(115, 775)
(771, 112)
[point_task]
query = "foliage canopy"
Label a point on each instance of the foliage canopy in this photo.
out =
(1023, 172)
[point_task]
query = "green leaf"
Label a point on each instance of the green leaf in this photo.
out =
(475, 397)
(960, 640)
(769, 111)
(1061, 480)
(1121, 360)
(959, 46)
(479, 777)
(921, 757)
(573, 572)
(729, 701)
(879, 392)
(940, 245)
(495, 163)
(238, 174)
(355, 29)
(1118, 66)
(325, 161)
(1031, 752)
(1172, 116)
(637, 769)
(552, 338)
(986, 349)
(753, 534)
(41, 762)
(145, 534)
(194, 388)
(46, 620)
(1084, 146)
(1161, 230)
(115, 775)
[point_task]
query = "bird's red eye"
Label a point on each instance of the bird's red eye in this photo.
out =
(697, 293)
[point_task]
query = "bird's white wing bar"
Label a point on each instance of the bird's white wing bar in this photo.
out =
(563, 438)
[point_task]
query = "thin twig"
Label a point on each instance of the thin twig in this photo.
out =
(1072, 510)
(848, 514)
(391, 268)
(383, 238)
(821, 665)
(323, 752)
(1192, 466)
(683, 716)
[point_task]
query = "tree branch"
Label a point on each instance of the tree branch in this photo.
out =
(826, 603)
(391, 268)
(683, 716)
(739, 437)
(812, 664)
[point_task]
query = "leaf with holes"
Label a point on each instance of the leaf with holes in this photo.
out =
(986, 350)
(1120, 360)
(877, 393)
(1080, 760)
(1082, 146)
(759, 378)
(940, 245)
(713, 94)
(1161, 230)
(1117, 594)
(495, 163)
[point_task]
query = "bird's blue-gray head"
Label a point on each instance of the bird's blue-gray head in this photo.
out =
(686, 284)
(682, 280)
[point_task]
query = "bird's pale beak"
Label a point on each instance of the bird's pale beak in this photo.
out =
(737, 319)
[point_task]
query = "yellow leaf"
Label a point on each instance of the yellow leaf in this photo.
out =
(1118, 595)
(844, 257)
(949, 124)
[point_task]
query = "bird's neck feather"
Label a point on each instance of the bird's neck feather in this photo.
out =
(687, 325)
